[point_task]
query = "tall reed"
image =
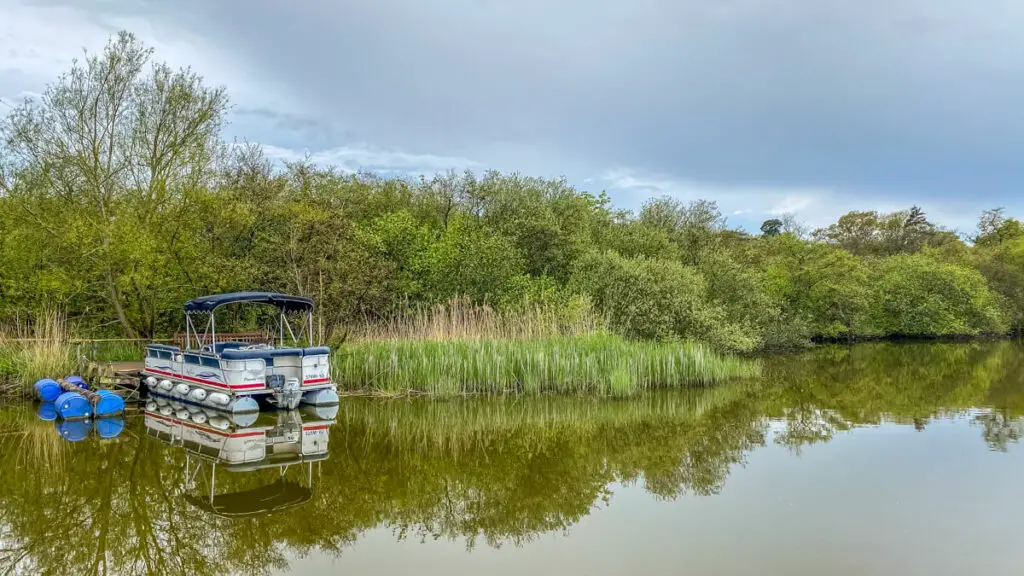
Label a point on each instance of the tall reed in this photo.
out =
(604, 364)
(461, 319)
(36, 349)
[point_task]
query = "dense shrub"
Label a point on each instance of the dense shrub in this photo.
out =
(917, 296)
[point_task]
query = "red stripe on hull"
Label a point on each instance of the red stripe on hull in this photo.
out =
(252, 386)
(316, 427)
(316, 381)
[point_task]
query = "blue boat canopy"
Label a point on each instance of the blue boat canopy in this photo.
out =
(283, 301)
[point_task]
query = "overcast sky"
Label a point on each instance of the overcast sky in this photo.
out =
(767, 106)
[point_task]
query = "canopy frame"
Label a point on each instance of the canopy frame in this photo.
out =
(283, 302)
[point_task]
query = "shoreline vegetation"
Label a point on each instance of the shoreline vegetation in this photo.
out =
(602, 364)
(459, 348)
(29, 352)
(507, 282)
(451, 350)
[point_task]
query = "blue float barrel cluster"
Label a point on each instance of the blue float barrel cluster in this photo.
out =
(72, 399)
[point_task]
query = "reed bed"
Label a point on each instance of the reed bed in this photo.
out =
(461, 319)
(602, 364)
(33, 350)
(112, 351)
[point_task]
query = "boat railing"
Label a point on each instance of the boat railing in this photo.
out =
(180, 339)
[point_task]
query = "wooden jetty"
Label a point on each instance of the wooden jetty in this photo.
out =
(123, 378)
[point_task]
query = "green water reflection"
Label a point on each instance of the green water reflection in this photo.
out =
(485, 473)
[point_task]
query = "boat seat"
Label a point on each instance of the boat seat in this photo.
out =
(164, 348)
(316, 351)
(265, 354)
(222, 346)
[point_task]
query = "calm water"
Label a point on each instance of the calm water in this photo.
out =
(880, 459)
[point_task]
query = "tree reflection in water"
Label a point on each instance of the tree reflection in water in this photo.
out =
(487, 471)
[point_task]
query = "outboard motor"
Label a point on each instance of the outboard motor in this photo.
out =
(286, 391)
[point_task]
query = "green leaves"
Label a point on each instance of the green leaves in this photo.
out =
(771, 227)
(876, 234)
(468, 261)
(658, 299)
(103, 167)
(919, 296)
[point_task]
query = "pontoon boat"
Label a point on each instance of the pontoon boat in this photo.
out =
(231, 376)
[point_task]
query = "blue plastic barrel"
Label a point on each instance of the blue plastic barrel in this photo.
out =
(73, 430)
(109, 427)
(77, 381)
(48, 389)
(71, 405)
(47, 411)
(108, 404)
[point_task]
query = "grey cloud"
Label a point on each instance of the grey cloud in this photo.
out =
(914, 97)
(306, 130)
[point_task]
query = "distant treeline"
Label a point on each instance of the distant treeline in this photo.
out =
(119, 200)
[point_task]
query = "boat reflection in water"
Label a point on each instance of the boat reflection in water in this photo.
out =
(215, 441)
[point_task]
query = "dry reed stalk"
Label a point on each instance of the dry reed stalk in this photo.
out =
(36, 349)
(460, 319)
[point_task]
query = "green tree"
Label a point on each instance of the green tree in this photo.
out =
(994, 228)
(876, 234)
(467, 261)
(1002, 264)
(695, 227)
(825, 290)
(550, 222)
(771, 227)
(104, 169)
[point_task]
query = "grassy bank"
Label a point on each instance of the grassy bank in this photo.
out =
(601, 364)
(45, 348)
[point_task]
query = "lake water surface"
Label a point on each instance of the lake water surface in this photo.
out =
(875, 459)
